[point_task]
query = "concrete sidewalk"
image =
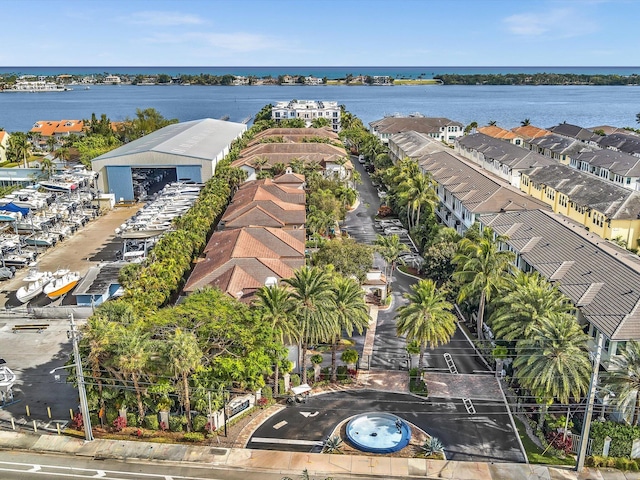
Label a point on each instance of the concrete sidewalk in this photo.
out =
(292, 464)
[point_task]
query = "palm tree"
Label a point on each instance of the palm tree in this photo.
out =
(312, 297)
(259, 164)
(481, 267)
(132, 358)
(351, 313)
(35, 139)
(530, 301)
(623, 379)
(390, 247)
(427, 318)
(51, 143)
(47, 166)
(554, 362)
(418, 191)
(492, 123)
(63, 154)
(19, 147)
(183, 356)
(526, 122)
(276, 306)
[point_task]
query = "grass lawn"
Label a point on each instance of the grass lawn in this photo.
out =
(534, 454)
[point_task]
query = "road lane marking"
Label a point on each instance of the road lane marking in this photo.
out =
(100, 474)
(36, 468)
(309, 414)
(279, 425)
(286, 441)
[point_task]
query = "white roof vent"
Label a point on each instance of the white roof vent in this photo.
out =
(271, 282)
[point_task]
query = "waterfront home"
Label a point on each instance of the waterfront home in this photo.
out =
(624, 141)
(501, 133)
(308, 110)
(112, 80)
(528, 133)
(58, 129)
(434, 127)
(601, 207)
(562, 149)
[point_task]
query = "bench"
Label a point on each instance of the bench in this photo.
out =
(38, 327)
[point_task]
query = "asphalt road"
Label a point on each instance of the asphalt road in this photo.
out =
(16, 465)
(484, 436)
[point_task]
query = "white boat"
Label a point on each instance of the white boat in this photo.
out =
(35, 274)
(33, 289)
(59, 285)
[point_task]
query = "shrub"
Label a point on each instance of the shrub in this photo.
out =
(558, 442)
(95, 420)
(349, 356)
(193, 437)
(267, 392)
(175, 424)
(281, 386)
(198, 423)
(151, 422)
(262, 401)
(295, 380)
(333, 445)
(316, 359)
(119, 424)
(110, 415)
(132, 419)
(432, 446)
(77, 422)
(622, 437)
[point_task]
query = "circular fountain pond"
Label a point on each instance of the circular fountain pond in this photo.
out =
(378, 432)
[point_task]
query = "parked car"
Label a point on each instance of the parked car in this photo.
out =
(392, 222)
(395, 231)
(375, 183)
(369, 168)
(361, 159)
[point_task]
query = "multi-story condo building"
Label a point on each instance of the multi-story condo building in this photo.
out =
(438, 128)
(308, 110)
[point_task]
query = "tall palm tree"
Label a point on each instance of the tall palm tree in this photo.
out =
(312, 297)
(183, 356)
(132, 358)
(418, 192)
(47, 166)
(554, 363)
(63, 154)
(427, 318)
(259, 164)
(276, 306)
(481, 267)
(35, 139)
(390, 247)
(51, 143)
(529, 301)
(19, 147)
(526, 122)
(351, 313)
(623, 379)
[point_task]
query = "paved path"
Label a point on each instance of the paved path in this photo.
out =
(474, 387)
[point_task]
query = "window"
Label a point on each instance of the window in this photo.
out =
(628, 180)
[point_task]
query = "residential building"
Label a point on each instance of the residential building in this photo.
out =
(438, 128)
(576, 132)
(501, 134)
(617, 167)
(503, 159)
(112, 79)
(266, 203)
(240, 261)
(308, 110)
(241, 80)
(58, 129)
(528, 133)
(624, 141)
(560, 148)
(607, 210)
(313, 80)
(310, 146)
(382, 80)
(599, 278)
(412, 145)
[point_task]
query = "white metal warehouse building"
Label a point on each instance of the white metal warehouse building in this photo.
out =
(182, 151)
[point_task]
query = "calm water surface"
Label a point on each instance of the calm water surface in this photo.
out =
(508, 105)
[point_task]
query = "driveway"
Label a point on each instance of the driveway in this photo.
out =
(485, 436)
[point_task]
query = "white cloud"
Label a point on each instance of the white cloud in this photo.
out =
(556, 23)
(163, 18)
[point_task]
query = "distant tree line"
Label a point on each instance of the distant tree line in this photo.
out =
(537, 79)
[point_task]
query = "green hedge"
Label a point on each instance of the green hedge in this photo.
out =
(622, 437)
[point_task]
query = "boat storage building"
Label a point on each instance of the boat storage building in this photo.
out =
(187, 151)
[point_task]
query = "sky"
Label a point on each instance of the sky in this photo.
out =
(319, 33)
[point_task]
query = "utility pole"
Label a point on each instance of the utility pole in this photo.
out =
(586, 424)
(84, 407)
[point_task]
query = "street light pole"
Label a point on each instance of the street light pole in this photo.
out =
(84, 407)
(586, 424)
